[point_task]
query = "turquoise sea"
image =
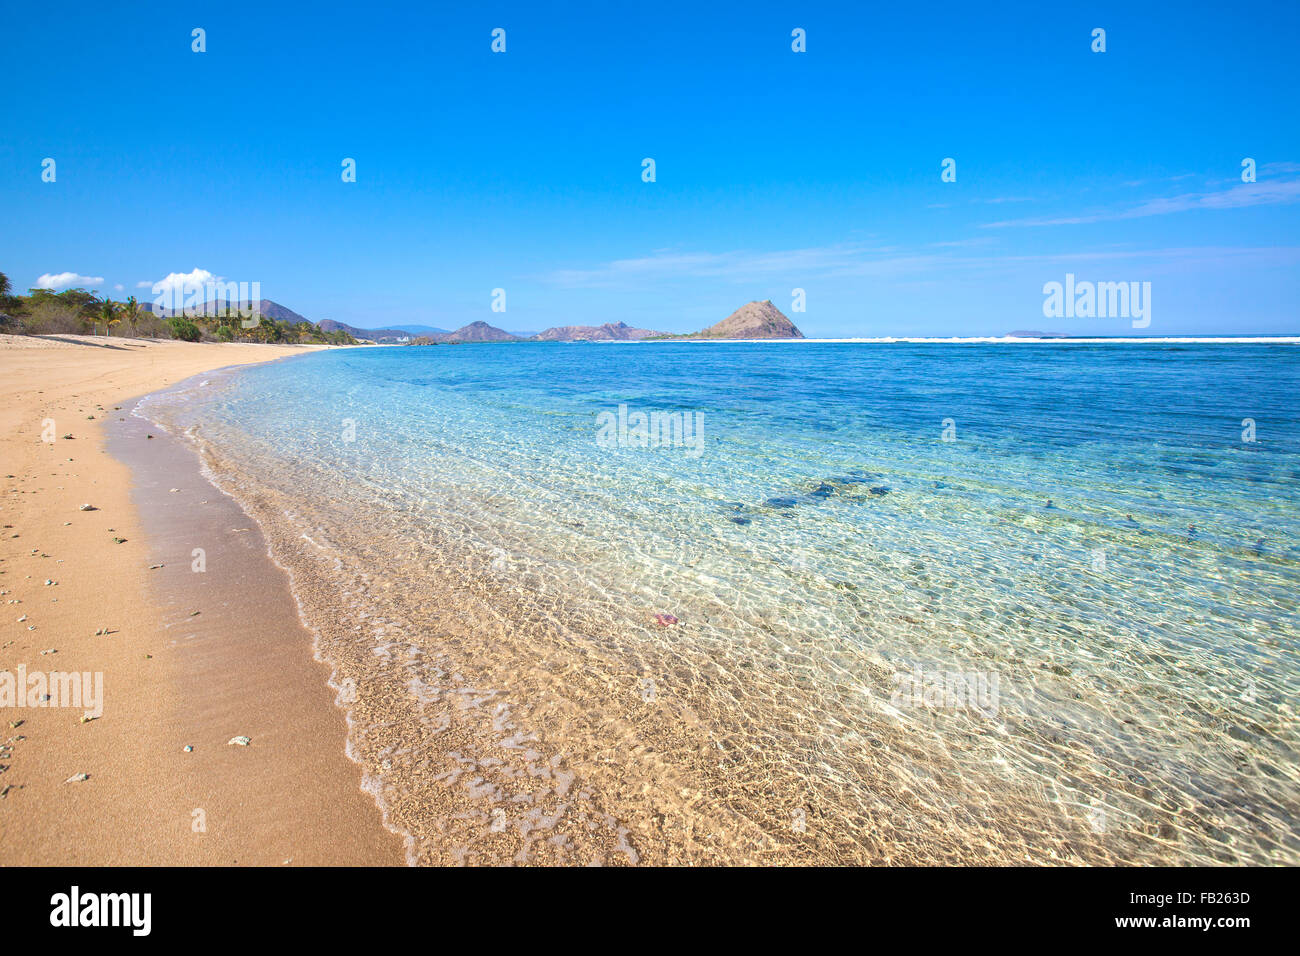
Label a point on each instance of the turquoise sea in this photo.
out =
(864, 603)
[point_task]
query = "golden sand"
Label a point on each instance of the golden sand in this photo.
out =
(241, 666)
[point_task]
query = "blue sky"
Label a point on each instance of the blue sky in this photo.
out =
(775, 170)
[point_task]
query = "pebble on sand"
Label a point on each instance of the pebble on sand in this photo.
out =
(240, 741)
(88, 507)
(77, 778)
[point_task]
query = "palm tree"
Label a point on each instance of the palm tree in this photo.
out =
(132, 312)
(108, 312)
(7, 302)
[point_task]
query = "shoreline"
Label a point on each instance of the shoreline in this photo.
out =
(172, 677)
(493, 708)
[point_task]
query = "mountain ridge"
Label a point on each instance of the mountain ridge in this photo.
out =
(474, 332)
(608, 332)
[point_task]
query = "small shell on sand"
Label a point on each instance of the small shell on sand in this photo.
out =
(77, 778)
(240, 741)
(88, 507)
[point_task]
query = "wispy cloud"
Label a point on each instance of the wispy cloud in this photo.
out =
(1183, 255)
(964, 243)
(937, 259)
(1241, 195)
(58, 281)
(745, 265)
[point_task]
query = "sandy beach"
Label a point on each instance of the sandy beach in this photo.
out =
(189, 660)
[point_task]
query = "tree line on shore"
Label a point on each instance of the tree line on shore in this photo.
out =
(81, 312)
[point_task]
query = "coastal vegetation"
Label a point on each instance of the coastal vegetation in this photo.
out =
(82, 312)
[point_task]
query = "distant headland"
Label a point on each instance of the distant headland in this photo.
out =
(754, 320)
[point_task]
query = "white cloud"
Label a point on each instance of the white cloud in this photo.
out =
(119, 287)
(177, 283)
(59, 281)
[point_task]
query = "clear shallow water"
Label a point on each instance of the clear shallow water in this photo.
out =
(485, 577)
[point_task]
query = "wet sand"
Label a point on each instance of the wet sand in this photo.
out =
(190, 658)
